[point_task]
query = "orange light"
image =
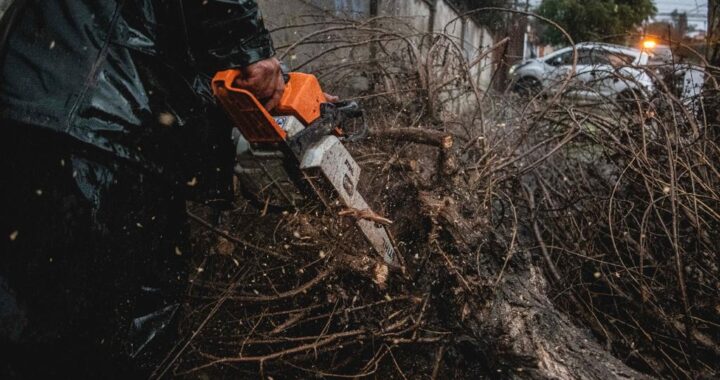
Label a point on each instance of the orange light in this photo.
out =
(649, 44)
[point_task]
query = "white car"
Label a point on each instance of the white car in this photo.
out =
(602, 71)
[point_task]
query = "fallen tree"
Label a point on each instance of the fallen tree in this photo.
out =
(541, 239)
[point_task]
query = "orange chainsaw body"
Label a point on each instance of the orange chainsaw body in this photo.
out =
(301, 99)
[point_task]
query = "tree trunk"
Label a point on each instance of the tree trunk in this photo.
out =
(512, 318)
(542, 338)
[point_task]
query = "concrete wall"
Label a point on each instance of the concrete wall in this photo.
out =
(353, 8)
(476, 40)
(416, 17)
(281, 15)
(416, 13)
(446, 19)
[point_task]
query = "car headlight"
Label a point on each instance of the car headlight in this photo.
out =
(512, 69)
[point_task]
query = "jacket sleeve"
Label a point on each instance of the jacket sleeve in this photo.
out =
(226, 34)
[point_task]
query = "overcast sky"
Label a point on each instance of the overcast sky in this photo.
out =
(696, 9)
(691, 6)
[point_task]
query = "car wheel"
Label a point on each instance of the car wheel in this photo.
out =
(527, 86)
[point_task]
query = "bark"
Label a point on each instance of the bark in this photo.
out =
(447, 160)
(523, 333)
(536, 334)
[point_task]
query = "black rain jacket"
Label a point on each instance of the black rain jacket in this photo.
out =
(130, 77)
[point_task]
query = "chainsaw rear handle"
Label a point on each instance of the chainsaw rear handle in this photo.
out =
(302, 99)
(245, 111)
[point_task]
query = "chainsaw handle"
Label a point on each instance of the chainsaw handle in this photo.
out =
(230, 81)
(235, 75)
(302, 97)
(245, 111)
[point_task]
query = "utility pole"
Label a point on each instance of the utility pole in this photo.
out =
(713, 33)
(712, 54)
(526, 37)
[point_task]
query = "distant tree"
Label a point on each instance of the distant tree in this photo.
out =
(588, 20)
(680, 22)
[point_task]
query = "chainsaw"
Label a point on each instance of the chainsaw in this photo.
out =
(296, 153)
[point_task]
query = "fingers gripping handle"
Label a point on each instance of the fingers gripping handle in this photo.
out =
(245, 111)
(302, 99)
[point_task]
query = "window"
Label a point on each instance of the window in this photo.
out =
(604, 57)
(561, 59)
(618, 60)
(585, 57)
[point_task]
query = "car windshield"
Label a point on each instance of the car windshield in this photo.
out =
(615, 59)
(561, 59)
(589, 56)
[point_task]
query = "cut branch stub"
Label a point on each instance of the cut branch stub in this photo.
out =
(438, 139)
(448, 164)
(445, 212)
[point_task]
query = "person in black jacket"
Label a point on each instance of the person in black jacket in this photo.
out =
(107, 127)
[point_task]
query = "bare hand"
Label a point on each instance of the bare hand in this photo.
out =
(265, 80)
(331, 98)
